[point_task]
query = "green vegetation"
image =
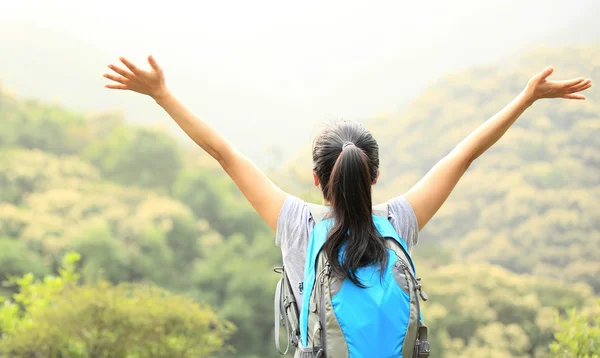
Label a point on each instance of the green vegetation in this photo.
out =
(57, 318)
(479, 310)
(579, 334)
(510, 262)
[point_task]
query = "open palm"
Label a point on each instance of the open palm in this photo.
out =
(540, 87)
(150, 82)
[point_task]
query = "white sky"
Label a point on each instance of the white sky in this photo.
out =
(264, 72)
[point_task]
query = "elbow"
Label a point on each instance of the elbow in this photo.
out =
(220, 158)
(224, 156)
(467, 162)
(465, 154)
(461, 160)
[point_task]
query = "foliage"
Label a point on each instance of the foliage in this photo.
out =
(578, 334)
(140, 156)
(218, 201)
(60, 203)
(33, 125)
(238, 278)
(17, 259)
(57, 318)
(490, 312)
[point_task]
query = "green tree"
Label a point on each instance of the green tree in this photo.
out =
(486, 311)
(24, 172)
(237, 278)
(214, 197)
(104, 257)
(16, 259)
(57, 318)
(136, 156)
(32, 125)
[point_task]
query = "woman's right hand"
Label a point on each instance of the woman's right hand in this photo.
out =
(149, 82)
(429, 194)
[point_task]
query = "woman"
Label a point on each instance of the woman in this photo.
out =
(346, 165)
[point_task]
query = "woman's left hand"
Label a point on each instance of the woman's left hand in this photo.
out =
(540, 87)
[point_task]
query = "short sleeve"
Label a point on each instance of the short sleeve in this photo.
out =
(403, 219)
(293, 225)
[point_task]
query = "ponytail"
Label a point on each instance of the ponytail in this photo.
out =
(349, 192)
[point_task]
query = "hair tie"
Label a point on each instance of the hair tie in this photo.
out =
(346, 144)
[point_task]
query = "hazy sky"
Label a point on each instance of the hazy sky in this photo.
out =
(264, 72)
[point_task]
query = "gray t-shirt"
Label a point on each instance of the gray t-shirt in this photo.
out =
(295, 225)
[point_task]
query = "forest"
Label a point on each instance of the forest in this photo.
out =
(115, 240)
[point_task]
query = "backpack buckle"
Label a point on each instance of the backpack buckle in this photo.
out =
(422, 349)
(422, 345)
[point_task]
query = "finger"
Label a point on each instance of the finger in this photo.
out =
(574, 96)
(585, 87)
(121, 71)
(580, 87)
(154, 64)
(115, 86)
(572, 82)
(545, 73)
(133, 68)
(115, 78)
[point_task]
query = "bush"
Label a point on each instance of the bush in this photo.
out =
(57, 318)
(578, 335)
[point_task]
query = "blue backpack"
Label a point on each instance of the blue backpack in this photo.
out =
(339, 319)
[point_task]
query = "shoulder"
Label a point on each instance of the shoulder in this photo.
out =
(294, 221)
(403, 219)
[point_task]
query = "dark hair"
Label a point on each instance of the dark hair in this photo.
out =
(346, 161)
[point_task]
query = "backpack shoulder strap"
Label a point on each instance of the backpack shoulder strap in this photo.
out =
(315, 244)
(381, 210)
(386, 230)
(318, 212)
(286, 312)
(322, 213)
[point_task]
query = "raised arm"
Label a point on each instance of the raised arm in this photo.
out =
(266, 198)
(428, 195)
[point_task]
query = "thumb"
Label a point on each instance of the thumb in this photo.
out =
(153, 63)
(545, 73)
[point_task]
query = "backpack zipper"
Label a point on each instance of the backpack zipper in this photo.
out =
(417, 286)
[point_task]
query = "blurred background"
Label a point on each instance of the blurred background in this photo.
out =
(120, 238)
